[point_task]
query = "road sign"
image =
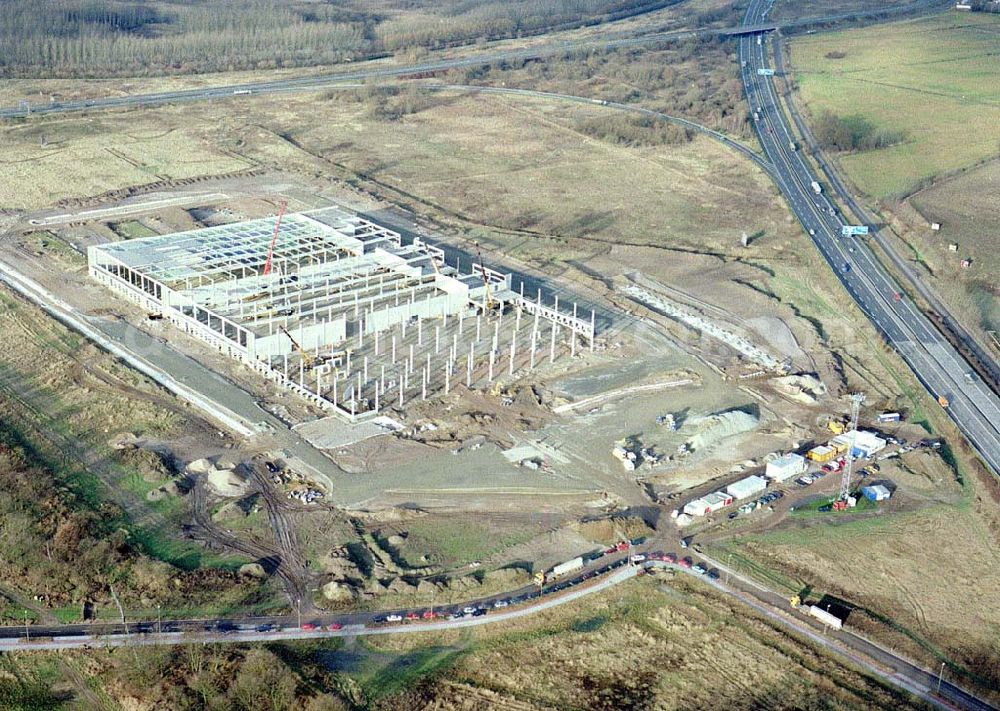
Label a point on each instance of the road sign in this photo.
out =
(764, 72)
(849, 230)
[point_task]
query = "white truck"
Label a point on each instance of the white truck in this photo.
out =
(563, 568)
(816, 187)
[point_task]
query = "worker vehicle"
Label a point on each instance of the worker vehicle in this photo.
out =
(699, 569)
(670, 558)
(685, 562)
(816, 187)
(393, 618)
(334, 626)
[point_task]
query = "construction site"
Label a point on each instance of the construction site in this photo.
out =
(340, 310)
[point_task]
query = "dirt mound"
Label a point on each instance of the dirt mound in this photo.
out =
(611, 530)
(226, 482)
(337, 592)
(713, 429)
(806, 389)
(253, 570)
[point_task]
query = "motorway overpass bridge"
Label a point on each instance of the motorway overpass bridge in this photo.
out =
(749, 29)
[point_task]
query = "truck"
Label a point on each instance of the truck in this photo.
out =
(793, 145)
(817, 188)
(563, 568)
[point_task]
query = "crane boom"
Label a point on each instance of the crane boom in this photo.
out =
(487, 297)
(307, 358)
(274, 239)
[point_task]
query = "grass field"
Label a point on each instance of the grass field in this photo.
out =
(643, 645)
(967, 209)
(934, 572)
(935, 79)
(47, 160)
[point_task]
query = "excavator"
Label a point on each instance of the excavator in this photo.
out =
(310, 361)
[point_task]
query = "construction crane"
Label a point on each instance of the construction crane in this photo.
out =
(308, 360)
(274, 238)
(845, 478)
(488, 301)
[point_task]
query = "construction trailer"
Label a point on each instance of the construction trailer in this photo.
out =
(745, 488)
(294, 299)
(785, 467)
(708, 504)
(876, 492)
(825, 617)
(821, 453)
(862, 443)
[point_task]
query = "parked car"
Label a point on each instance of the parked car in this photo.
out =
(670, 557)
(411, 616)
(393, 618)
(500, 603)
(699, 569)
(685, 562)
(334, 626)
(264, 628)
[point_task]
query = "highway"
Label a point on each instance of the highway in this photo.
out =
(973, 406)
(987, 365)
(376, 70)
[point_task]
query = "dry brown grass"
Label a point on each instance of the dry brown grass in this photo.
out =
(643, 645)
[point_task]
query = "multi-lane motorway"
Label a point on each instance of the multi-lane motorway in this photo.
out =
(973, 406)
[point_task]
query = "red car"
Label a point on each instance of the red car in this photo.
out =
(334, 626)
(412, 616)
(685, 562)
(670, 557)
(309, 627)
(428, 615)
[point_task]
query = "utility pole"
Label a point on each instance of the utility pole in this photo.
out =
(159, 621)
(298, 608)
(27, 634)
(940, 674)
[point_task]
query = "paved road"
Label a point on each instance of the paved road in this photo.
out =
(311, 83)
(971, 346)
(974, 407)
(598, 575)
(902, 673)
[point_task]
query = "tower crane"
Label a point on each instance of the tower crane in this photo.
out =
(845, 478)
(274, 238)
(488, 302)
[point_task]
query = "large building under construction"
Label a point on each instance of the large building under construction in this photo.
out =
(323, 301)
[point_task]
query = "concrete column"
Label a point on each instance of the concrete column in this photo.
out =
(411, 358)
(492, 357)
(447, 378)
(378, 386)
(394, 349)
(366, 368)
(513, 352)
(552, 343)
(593, 319)
(468, 369)
(479, 321)
(376, 343)
(437, 339)
(420, 331)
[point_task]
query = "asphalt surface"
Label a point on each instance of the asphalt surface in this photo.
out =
(974, 407)
(599, 574)
(988, 366)
(310, 83)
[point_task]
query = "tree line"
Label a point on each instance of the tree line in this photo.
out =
(105, 38)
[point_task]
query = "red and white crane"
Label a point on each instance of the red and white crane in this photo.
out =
(274, 238)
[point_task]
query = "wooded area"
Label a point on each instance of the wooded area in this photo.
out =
(104, 38)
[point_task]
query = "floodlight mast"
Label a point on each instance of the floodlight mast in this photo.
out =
(274, 238)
